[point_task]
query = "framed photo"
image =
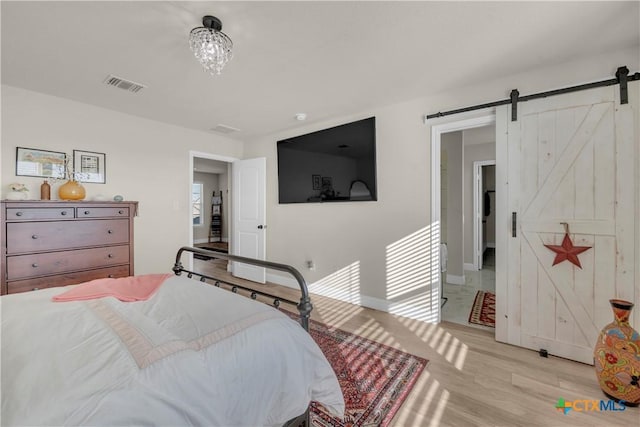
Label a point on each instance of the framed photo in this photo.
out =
(327, 182)
(316, 181)
(89, 166)
(41, 163)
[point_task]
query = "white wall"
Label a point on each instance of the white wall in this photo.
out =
(146, 161)
(358, 247)
(452, 145)
(364, 252)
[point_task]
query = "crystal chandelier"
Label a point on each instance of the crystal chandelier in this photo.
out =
(211, 46)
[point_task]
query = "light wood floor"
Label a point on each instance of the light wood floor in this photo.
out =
(471, 380)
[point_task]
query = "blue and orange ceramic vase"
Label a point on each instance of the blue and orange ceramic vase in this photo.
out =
(617, 356)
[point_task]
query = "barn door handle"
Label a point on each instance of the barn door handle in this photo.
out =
(514, 223)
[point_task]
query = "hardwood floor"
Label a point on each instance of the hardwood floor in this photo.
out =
(471, 380)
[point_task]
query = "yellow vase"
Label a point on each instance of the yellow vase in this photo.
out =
(71, 190)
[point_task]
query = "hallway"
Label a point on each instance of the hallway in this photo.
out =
(461, 297)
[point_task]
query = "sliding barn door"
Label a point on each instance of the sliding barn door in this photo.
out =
(567, 159)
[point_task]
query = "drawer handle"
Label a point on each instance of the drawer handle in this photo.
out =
(110, 276)
(110, 256)
(34, 265)
(63, 213)
(87, 212)
(35, 289)
(35, 236)
(120, 212)
(18, 213)
(110, 231)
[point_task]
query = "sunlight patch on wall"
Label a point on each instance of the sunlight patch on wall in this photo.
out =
(412, 262)
(413, 274)
(343, 285)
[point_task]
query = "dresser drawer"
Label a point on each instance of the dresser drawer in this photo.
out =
(91, 212)
(25, 266)
(67, 279)
(25, 214)
(43, 236)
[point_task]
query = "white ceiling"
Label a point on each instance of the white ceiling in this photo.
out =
(327, 59)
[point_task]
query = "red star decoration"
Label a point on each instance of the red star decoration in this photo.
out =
(567, 251)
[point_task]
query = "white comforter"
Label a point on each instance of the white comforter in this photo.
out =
(192, 354)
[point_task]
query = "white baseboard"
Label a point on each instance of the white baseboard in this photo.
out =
(469, 267)
(289, 282)
(456, 280)
(409, 308)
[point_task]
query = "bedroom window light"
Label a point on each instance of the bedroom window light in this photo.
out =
(196, 203)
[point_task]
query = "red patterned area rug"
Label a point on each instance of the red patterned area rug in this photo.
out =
(375, 379)
(483, 311)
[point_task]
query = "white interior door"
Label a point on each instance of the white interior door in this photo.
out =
(570, 159)
(477, 216)
(249, 211)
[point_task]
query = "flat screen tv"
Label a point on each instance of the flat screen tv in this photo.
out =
(331, 165)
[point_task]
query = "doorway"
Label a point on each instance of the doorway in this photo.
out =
(210, 204)
(453, 210)
(210, 181)
(484, 217)
(245, 208)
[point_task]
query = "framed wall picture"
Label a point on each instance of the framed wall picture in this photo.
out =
(40, 163)
(316, 182)
(89, 166)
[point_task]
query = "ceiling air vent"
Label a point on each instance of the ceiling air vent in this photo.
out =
(124, 84)
(224, 129)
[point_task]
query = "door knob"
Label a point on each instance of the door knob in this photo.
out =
(260, 227)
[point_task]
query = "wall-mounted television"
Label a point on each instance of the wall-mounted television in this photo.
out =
(331, 165)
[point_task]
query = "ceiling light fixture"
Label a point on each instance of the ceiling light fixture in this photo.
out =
(301, 116)
(212, 47)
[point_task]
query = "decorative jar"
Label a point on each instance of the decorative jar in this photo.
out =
(616, 356)
(71, 190)
(45, 191)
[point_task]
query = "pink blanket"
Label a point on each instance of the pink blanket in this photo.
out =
(132, 288)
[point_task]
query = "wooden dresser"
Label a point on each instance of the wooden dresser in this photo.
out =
(56, 243)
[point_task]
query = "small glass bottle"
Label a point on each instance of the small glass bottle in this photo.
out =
(45, 191)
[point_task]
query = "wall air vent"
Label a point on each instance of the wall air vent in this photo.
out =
(124, 84)
(224, 129)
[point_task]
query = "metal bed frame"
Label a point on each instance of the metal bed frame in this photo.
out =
(304, 306)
